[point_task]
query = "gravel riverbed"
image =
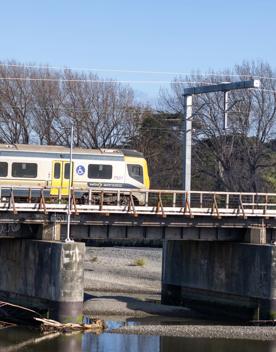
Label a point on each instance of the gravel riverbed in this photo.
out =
(113, 269)
(119, 289)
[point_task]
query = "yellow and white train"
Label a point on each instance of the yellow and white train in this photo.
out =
(49, 166)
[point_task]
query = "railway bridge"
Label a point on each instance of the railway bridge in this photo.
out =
(219, 252)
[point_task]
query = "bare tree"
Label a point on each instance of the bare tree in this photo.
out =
(47, 105)
(38, 105)
(102, 111)
(15, 104)
(235, 159)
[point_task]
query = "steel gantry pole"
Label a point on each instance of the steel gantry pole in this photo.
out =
(187, 118)
(187, 139)
(226, 108)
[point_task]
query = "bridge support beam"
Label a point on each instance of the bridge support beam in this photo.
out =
(256, 235)
(227, 279)
(49, 231)
(43, 275)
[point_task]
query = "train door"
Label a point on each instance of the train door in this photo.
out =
(60, 177)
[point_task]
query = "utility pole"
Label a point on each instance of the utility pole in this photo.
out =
(68, 239)
(187, 118)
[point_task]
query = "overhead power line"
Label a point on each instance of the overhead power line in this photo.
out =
(114, 81)
(171, 73)
(96, 80)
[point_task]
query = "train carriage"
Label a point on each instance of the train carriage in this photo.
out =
(49, 167)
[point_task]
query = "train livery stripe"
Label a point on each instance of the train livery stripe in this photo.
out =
(26, 154)
(110, 185)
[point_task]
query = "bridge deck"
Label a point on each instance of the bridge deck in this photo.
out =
(164, 215)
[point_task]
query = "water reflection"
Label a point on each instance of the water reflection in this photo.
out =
(180, 344)
(16, 339)
(117, 342)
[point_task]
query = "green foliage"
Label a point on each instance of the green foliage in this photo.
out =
(158, 139)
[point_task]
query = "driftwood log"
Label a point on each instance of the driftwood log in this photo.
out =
(15, 314)
(96, 326)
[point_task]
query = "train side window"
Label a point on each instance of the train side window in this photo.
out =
(136, 172)
(67, 171)
(57, 171)
(3, 169)
(28, 170)
(99, 171)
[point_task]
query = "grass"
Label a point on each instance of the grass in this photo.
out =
(139, 262)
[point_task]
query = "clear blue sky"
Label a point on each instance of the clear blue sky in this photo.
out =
(174, 35)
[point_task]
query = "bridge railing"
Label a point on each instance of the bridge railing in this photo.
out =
(139, 201)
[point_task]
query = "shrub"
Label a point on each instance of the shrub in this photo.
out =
(139, 262)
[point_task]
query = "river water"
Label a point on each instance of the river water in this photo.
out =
(27, 340)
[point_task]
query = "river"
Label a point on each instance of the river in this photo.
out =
(27, 340)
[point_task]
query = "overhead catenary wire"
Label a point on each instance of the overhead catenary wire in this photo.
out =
(99, 81)
(151, 72)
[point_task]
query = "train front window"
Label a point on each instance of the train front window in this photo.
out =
(136, 172)
(100, 171)
(3, 169)
(24, 170)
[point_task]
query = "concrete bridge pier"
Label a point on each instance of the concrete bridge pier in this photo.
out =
(43, 275)
(229, 279)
